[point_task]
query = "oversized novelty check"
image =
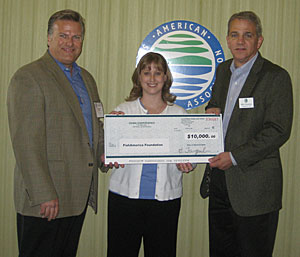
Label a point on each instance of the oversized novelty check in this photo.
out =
(183, 138)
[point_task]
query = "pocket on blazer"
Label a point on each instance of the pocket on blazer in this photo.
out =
(58, 173)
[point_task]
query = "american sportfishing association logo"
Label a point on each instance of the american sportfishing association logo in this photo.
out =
(193, 54)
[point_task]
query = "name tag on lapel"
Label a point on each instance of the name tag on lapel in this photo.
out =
(99, 109)
(247, 102)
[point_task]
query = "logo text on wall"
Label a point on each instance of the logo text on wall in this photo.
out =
(193, 54)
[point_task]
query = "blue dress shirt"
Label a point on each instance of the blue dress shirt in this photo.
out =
(237, 81)
(82, 95)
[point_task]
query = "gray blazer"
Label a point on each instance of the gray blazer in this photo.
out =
(254, 136)
(50, 140)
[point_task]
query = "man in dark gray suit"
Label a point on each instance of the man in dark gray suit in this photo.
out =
(244, 183)
(54, 115)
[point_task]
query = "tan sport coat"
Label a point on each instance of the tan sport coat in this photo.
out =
(254, 136)
(50, 141)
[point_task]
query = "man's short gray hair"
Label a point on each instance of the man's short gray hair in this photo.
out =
(247, 15)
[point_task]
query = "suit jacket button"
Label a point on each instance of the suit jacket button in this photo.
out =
(91, 164)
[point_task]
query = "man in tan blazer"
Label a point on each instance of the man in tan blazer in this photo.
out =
(57, 138)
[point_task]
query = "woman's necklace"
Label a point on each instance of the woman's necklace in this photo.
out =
(153, 109)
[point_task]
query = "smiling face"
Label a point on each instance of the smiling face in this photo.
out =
(242, 40)
(152, 80)
(65, 43)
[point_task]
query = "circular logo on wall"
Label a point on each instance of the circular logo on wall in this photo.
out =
(193, 54)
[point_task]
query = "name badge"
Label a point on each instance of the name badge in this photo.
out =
(247, 102)
(99, 109)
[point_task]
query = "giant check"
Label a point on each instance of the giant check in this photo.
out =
(191, 138)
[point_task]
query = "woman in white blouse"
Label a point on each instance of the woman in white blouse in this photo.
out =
(144, 199)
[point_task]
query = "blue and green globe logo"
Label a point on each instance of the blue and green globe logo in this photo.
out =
(193, 54)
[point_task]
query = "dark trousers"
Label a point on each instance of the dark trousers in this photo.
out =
(38, 237)
(131, 220)
(231, 235)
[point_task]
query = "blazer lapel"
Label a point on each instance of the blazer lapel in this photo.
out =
(225, 87)
(250, 83)
(65, 88)
(247, 89)
(94, 115)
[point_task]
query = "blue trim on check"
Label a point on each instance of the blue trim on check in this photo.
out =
(156, 156)
(161, 115)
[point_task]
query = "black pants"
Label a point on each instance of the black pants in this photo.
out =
(130, 220)
(231, 235)
(38, 237)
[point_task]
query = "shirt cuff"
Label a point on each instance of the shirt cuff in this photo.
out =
(232, 159)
